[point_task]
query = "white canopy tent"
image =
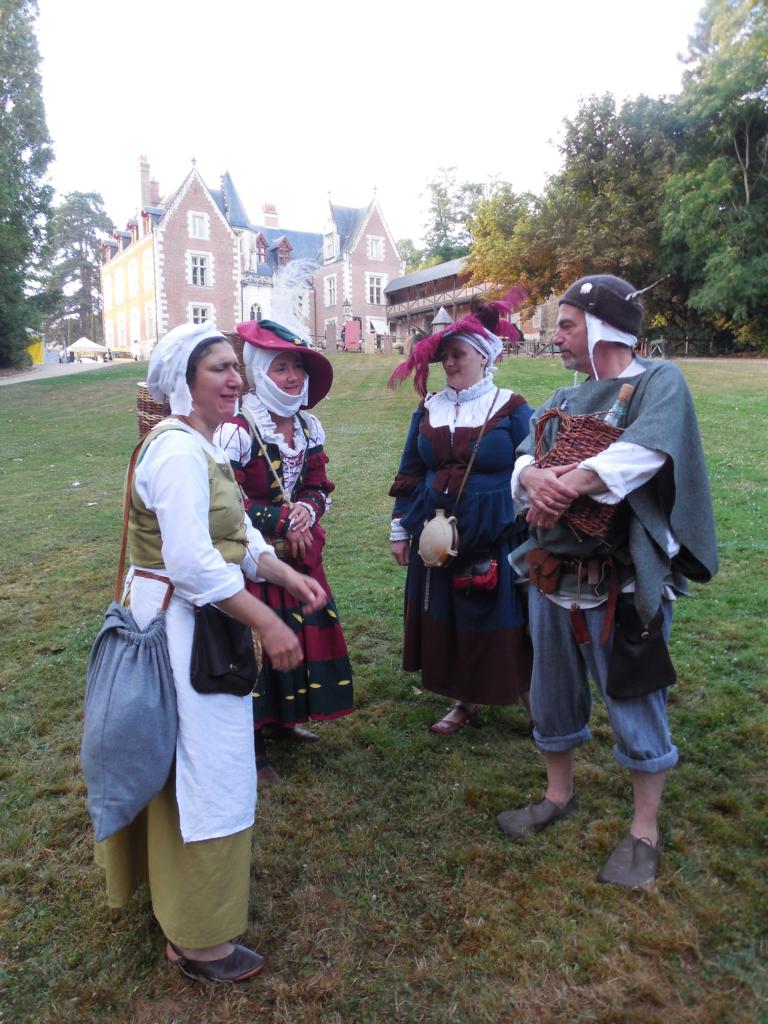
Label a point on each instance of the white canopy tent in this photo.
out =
(84, 345)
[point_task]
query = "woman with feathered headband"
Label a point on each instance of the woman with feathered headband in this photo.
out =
(276, 450)
(464, 622)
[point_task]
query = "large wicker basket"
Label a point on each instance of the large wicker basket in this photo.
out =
(579, 438)
(149, 412)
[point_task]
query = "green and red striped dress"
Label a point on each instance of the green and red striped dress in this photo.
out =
(321, 688)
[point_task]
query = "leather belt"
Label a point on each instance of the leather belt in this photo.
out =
(145, 574)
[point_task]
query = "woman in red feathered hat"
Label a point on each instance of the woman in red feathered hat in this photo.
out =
(465, 623)
(276, 450)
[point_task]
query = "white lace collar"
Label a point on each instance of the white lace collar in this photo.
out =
(262, 417)
(482, 387)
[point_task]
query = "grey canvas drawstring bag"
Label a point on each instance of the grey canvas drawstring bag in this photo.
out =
(130, 720)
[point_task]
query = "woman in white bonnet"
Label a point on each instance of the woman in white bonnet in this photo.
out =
(187, 527)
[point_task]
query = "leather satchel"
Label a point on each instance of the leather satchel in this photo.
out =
(640, 661)
(544, 570)
(223, 658)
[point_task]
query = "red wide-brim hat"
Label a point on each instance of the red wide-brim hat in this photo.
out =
(266, 334)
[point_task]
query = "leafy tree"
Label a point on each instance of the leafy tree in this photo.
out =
(715, 209)
(452, 205)
(25, 153)
(599, 214)
(410, 255)
(78, 225)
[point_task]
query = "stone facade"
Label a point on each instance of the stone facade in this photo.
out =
(360, 257)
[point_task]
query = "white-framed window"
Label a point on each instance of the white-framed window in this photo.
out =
(133, 279)
(375, 247)
(200, 312)
(329, 245)
(147, 269)
(149, 321)
(197, 224)
(121, 339)
(119, 287)
(201, 269)
(109, 333)
(329, 290)
(374, 288)
(135, 324)
(107, 291)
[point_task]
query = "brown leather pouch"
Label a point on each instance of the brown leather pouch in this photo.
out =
(544, 571)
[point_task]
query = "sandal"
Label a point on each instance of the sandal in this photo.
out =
(447, 726)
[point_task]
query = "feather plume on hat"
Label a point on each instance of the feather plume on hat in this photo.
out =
(426, 351)
(289, 284)
(490, 314)
(484, 321)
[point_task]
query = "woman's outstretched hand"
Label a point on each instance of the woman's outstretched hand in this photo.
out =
(280, 643)
(306, 590)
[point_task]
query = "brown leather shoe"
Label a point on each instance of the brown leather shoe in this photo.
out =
(524, 821)
(634, 864)
(241, 964)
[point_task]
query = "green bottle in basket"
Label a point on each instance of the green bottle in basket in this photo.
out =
(618, 412)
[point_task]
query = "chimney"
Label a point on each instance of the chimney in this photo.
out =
(154, 192)
(270, 215)
(144, 178)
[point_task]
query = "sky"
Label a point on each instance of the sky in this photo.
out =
(300, 100)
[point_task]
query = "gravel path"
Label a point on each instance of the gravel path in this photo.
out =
(55, 370)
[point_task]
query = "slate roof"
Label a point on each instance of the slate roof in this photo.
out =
(305, 245)
(230, 203)
(435, 273)
(347, 220)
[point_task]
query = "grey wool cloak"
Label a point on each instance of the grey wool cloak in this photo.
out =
(662, 417)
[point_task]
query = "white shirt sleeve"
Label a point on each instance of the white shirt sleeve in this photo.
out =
(256, 546)
(623, 467)
(316, 431)
(172, 481)
(397, 532)
(519, 493)
(235, 441)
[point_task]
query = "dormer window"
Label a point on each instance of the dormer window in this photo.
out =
(284, 252)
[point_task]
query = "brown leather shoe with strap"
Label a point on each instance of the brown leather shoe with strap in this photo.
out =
(447, 725)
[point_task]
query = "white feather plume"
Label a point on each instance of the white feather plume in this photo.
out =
(289, 284)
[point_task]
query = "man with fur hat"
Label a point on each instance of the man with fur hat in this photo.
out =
(601, 606)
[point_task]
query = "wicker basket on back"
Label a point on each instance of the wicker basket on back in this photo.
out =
(579, 438)
(149, 412)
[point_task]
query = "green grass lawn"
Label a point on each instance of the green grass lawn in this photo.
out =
(381, 889)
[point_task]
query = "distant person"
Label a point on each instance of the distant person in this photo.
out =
(594, 597)
(465, 622)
